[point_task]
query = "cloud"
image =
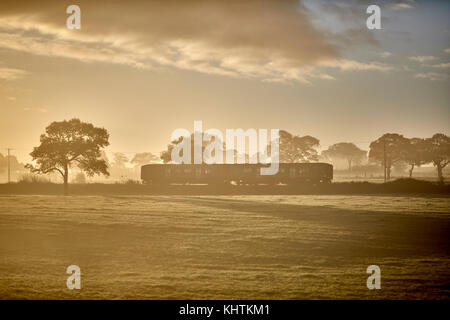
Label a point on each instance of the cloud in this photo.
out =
(272, 40)
(402, 5)
(350, 65)
(385, 54)
(432, 76)
(40, 110)
(341, 21)
(422, 59)
(441, 65)
(49, 42)
(11, 74)
(447, 50)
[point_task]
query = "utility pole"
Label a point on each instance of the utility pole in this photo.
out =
(9, 166)
(384, 158)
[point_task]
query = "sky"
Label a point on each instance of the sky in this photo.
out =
(142, 69)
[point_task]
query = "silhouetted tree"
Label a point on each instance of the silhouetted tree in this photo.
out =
(16, 167)
(166, 155)
(120, 160)
(80, 178)
(292, 148)
(105, 158)
(438, 152)
(119, 169)
(68, 143)
(141, 159)
(347, 151)
(297, 149)
(144, 158)
(390, 146)
(416, 154)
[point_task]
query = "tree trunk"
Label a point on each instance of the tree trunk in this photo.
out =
(388, 173)
(439, 170)
(349, 165)
(411, 171)
(66, 180)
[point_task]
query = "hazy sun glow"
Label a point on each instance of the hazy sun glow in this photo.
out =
(143, 69)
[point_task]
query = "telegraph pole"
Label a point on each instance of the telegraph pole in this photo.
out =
(9, 166)
(384, 158)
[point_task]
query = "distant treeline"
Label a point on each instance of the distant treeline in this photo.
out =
(77, 148)
(394, 150)
(388, 151)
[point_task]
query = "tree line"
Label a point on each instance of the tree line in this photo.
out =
(77, 144)
(392, 149)
(388, 150)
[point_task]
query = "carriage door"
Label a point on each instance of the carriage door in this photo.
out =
(292, 172)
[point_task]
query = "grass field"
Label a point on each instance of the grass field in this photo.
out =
(224, 247)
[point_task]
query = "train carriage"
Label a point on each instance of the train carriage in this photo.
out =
(288, 173)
